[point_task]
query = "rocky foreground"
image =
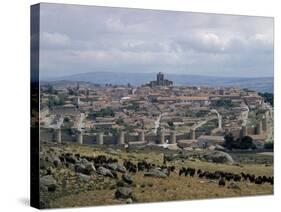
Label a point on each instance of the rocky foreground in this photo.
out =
(75, 175)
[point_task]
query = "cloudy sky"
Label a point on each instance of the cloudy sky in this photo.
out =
(80, 39)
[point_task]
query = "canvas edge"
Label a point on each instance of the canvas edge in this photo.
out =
(34, 102)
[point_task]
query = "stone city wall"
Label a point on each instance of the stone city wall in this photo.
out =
(72, 136)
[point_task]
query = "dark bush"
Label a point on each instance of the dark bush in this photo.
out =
(269, 145)
(240, 143)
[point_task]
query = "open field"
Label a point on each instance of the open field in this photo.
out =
(72, 190)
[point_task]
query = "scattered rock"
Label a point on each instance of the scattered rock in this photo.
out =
(219, 147)
(173, 147)
(69, 165)
(105, 172)
(57, 163)
(123, 193)
(111, 151)
(166, 172)
(113, 187)
(127, 178)
(84, 161)
(121, 184)
(219, 157)
(44, 164)
(212, 147)
(90, 168)
(49, 182)
(129, 201)
(222, 182)
(43, 204)
(55, 149)
(71, 159)
(121, 168)
(112, 166)
(172, 157)
(233, 185)
(79, 168)
(42, 187)
(155, 173)
(84, 177)
(188, 148)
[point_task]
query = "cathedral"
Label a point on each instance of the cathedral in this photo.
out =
(160, 81)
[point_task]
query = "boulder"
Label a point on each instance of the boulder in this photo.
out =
(69, 165)
(219, 148)
(173, 147)
(123, 193)
(188, 148)
(183, 155)
(219, 157)
(212, 147)
(84, 177)
(49, 182)
(129, 201)
(111, 151)
(79, 168)
(166, 172)
(105, 172)
(44, 164)
(43, 204)
(121, 168)
(112, 166)
(155, 173)
(71, 159)
(56, 162)
(233, 185)
(55, 149)
(127, 178)
(43, 188)
(89, 168)
(84, 161)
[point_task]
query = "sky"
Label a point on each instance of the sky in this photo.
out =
(80, 39)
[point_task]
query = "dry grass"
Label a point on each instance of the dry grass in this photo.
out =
(149, 189)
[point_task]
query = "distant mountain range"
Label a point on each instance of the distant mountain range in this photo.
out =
(261, 84)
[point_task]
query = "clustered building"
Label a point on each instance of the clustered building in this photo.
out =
(157, 113)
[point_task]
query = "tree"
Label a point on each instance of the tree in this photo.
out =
(133, 106)
(114, 131)
(170, 123)
(269, 145)
(268, 97)
(102, 113)
(66, 119)
(228, 141)
(246, 143)
(61, 99)
(226, 103)
(50, 89)
(120, 121)
(51, 102)
(56, 100)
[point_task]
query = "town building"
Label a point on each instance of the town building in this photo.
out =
(160, 81)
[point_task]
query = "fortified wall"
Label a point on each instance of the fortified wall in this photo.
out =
(74, 136)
